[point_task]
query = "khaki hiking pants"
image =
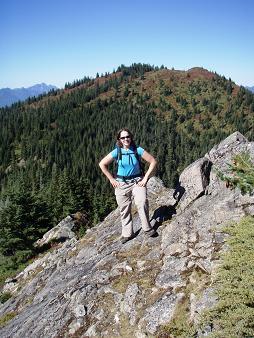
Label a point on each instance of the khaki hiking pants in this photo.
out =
(124, 194)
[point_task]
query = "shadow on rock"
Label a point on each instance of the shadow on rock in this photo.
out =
(178, 193)
(136, 233)
(162, 214)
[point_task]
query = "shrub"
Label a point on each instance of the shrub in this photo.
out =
(233, 315)
(4, 296)
(241, 173)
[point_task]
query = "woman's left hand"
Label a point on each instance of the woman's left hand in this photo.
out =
(143, 182)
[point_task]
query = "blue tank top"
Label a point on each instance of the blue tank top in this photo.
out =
(129, 164)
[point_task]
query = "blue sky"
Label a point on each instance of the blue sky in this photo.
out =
(58, 41)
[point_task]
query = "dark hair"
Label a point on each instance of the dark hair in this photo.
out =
(118, 140)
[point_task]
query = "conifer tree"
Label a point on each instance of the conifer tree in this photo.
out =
(23, 220)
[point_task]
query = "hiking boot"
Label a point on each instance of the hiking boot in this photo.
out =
(124, 239)
(150, 233)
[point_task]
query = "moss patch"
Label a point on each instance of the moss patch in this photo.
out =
(121, 283)
(144, 278)
(6, 318)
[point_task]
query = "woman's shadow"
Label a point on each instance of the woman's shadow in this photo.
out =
(165, 212)
(162, 214)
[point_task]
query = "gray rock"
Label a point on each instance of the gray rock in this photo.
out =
(62, 231)
(80, 311)
(91, 332)
(170, 274)
(228, 146)
(75, 326)
(199, 304)
(128, 305)
(194, 180)
(161, 312)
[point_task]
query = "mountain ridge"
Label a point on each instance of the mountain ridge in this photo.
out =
(250, 88)
(9, 96)
(163, 73)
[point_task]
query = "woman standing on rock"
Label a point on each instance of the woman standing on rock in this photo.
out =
(130, 181)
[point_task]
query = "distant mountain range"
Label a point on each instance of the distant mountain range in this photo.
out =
(9, 96)
(250, 88)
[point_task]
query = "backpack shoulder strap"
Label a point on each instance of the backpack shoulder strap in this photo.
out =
(138, 157)
(116, 162)
(135, 150)
(119, 154)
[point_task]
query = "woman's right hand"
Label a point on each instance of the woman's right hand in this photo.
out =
(114, 183)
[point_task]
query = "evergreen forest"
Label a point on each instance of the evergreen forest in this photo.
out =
(50, 146)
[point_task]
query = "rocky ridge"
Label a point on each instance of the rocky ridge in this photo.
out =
(97, 287)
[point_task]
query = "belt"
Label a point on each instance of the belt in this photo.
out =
(127, 178)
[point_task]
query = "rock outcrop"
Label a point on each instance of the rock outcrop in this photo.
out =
(97, 287)
(61, 232)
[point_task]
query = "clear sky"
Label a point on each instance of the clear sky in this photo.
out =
(58, 41)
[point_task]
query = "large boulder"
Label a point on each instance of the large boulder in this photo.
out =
(61, 232)
(193, 181)
(227, 148)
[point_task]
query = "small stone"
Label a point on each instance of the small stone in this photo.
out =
(190, 264)
(161, 312)
(193, 238)
(193, 278)
(219, 238)
(175, 249)
(139, 334)
(74, 326)
(204, 266)
(91, 332)
(154, 290)
(128, 268)
(193, 253)
(99, 314)
(141, 265)
(117, 319)
(80, 310)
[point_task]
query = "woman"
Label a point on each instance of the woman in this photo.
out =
(130, 181)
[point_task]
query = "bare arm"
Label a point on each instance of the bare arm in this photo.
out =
(104, 168)
(150, 159)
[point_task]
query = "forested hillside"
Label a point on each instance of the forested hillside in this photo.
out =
(50, 147)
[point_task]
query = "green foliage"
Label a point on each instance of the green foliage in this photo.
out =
(4, 296)
(179, 327)
(241, 173)
(102, 205)
(24, 219)
(233, 315)
(8, 269)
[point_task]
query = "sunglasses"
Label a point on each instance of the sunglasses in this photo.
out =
(125, 137)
